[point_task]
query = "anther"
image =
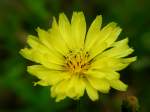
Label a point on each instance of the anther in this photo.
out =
(76, 62)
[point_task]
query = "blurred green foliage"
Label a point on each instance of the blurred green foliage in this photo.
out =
(18, 18)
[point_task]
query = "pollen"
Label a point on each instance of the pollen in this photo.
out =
(77, 62)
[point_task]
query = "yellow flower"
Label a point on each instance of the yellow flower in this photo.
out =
(73, 61)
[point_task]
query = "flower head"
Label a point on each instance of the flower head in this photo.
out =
(72, 60)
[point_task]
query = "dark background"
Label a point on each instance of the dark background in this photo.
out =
(18, 18)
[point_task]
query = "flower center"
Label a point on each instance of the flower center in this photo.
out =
(77, 62)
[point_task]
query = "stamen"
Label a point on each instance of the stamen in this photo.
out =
(77, 62)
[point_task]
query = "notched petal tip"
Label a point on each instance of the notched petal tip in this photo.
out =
(37, 29)
(22, 51)
(134, 58)
(78, 15)
(125, 88)
(78, 28)
(118, 30)
(81, 13)
(32, 40)
(54, 23)
(111, 24)
(33, 69)
(129, 60)
(30, 68)
(99, 19)
(121, 42)
(27, 53)
(59, 98)
(63, 19)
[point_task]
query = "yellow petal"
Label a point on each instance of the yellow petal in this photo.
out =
(71, 93)
(41, 58)
(92, 93)
(93, 32)
(52, 90)
(58, 91)
(110, 74)
(65, 30)
(71, 88)
(119, 64)
(102, 35)
(94, 73)
(106, 37)
(120, 49)
(117, 84)
(60, 97)
(26, 53)
(50, 39)
(113, 36)
(80, 87)
(47, 75)
(41, 49)
(129, 60)
(76, 87)
(78, 27)
(42, 83)
(103, 73)
(44, 37)
(100, 63)
(61, 87)
(106, 67)
(100, 84)
(56, 37)
(115, 64)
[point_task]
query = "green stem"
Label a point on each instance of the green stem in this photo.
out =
(78, 105)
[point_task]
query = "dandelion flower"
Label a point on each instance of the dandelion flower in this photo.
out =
(72, 60)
